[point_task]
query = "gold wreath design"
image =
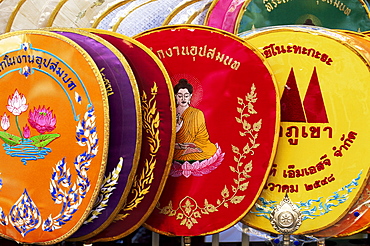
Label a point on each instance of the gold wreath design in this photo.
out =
(142, 183)
(189, 210)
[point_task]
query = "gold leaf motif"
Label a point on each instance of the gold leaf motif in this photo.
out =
(235, 149)
(237, 199)
(188, 208)
(151, 122)
(121, 216)
(189, 224)
(257, 125)
(225, 193)
(244, 186)
(233, 188)
(197, 214)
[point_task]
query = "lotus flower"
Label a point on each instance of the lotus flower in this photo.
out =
(5, 123)
(42, 119)
(26, 131)
(17, 104)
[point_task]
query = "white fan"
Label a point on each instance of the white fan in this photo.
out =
(8, 9)
(124, 11)
(179, 15)
(145, 17)
(199, 16)
(78, 13)
(105, 16)
(29, 14)
(108, 17)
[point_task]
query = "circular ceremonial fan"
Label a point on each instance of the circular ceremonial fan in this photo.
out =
(8, 9)
(28, 15)
(357, 218)
(198, 17)
(182, 12)
(158, 139)
(226, 128)
(348, 15)
(54, 134)
(106, 18)
(76, 13)
(125, 140)
(143, 17)
(321, 163)
(223, 14)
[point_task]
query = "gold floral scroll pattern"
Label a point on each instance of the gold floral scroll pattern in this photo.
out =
(189, 210)
(151, 122)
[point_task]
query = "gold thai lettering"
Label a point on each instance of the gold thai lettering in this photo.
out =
(235, 65)
(270, 5)
(169, 52)
(185, 50)
(274, 50)
(211, 53)
(200, 51)
(193, 50)
(177, 50)
(220, 57)
(107, 84)
(228, 61)
(160, 54)
(339, 5)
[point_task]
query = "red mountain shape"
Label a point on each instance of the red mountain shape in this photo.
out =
(291, 104)
(314, 103)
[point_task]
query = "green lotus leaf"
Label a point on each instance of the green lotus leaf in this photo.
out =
(10, 138)
(43, 140)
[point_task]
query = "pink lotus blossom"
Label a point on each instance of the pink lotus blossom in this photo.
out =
(17, 104)
(5, 123)
(26, 131)
(42, 119)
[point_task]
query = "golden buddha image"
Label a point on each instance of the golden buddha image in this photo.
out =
(192, 138)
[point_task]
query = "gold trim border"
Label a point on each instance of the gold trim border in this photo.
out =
(277, 122)
(105, 104)
(137, 102)
(173, 135)
(325, 32)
